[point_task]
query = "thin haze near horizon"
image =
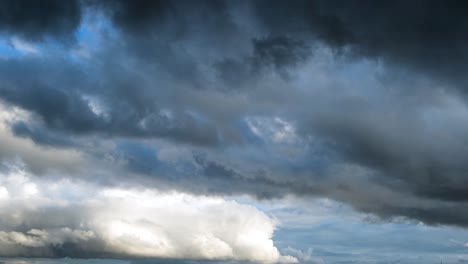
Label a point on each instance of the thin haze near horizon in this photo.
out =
(193, 132)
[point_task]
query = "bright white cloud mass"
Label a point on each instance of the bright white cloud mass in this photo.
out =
(218, 131)
(45, 217)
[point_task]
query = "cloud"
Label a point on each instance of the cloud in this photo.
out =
(311, 98)
(425, 37)
(113, 222)
(38, 159)
(33, 21)
(24, 46)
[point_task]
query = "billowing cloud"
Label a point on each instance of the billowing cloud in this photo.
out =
(45, 219)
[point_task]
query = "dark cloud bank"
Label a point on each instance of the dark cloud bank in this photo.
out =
(197, 74)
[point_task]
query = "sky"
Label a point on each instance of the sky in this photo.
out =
(233, 132)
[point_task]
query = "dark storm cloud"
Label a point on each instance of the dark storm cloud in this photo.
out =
(428, 36)
(40, 135)
(35, 19)
(59, 109)
(61, 103)
(202, 176)
(192, 73)
(425, 35)
(403, 150)
(281, 54)
(279, 51)
(136, 15)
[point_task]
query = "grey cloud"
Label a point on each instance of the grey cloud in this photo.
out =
(136, 15)
(40, 135)
(383, 105)
(59, 109)
(63, 106)
(269, 53)
(280, 51)
(34, 20)
(422, 35)
(37, 159)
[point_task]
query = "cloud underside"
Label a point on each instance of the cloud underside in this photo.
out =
(360, 102)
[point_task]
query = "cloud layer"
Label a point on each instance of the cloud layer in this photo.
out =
(360, 102)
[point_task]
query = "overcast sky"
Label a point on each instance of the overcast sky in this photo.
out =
(195, 132)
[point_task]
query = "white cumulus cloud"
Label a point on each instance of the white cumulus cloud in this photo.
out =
(43, 218)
